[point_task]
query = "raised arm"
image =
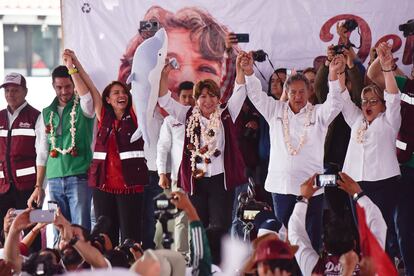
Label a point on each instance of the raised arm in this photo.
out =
(374, 218)
(174, 108)
(321, 78)
(333, 104)
(391, 95)
(244, 66)
(86, 102)
(306, 256)
(96, 96)
(228, 68)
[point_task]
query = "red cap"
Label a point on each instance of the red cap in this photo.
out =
(273, 249)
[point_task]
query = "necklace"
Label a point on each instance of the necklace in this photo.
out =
(286, 134)
(50, 129)
(360, 138)
(208, 133)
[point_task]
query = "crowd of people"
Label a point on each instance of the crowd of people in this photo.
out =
(230, 157)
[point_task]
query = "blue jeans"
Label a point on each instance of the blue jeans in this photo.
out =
(73, 196)
(405, 223)
(150, 191)
(284, 205)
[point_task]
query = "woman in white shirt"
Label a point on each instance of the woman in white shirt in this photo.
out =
(212, 165)
(371, 157)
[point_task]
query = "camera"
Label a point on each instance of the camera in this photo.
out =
(407, 28)
(350, 25)
(259, 55)
(163, 203)
(125, 246)
(148, 26)
(339, 49)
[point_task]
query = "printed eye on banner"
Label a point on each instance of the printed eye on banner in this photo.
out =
(86, 8)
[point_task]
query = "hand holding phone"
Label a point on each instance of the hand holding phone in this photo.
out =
(326, 180)
(46, 216)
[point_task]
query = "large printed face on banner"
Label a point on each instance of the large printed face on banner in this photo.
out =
(195, 40)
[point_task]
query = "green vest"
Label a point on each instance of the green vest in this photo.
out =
(67, 165)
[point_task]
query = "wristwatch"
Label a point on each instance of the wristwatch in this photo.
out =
(302, 199)
(357, 196)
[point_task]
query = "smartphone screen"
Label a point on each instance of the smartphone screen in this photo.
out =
(250, 214)
(242, 38)
(326, 180)
(42, 216)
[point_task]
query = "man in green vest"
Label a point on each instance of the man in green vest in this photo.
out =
(65, 152)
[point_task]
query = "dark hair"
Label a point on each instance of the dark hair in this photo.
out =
(52, 251)
(185, 85)
(287, 265)
(117, 258)
(214, 237)
(107, 91)
(85, 231)
(338, 237)
(37, 262)
(211, 85)
(309, 70)
(61, 72)
(296, 77)
(269, 83)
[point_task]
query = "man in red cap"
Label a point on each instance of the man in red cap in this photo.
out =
(18, 125)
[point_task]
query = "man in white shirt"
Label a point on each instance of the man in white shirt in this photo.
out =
(338, 234)
(170, 147)
(297, 133)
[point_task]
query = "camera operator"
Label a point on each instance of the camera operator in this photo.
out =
(338, 237)
(405, 154)
(77, 251)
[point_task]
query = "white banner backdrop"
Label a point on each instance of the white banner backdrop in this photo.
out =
(292, 32)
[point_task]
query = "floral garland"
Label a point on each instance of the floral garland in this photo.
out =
(50, 129)
(302, 139)
(360, 138)
(208, 133)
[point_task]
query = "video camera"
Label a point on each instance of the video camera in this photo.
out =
(407, 28)
(126, 246)
(164, 211)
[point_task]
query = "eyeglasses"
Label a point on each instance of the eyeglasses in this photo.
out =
(371, 102)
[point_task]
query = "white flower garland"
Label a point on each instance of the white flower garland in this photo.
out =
(72, 149)
(209, 137)
(360, 138)
(286, 134)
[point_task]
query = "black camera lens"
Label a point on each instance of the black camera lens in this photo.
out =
(350, 25)
(259, 55)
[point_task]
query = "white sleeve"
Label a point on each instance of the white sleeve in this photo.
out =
(375, 220)
(350, 111)
(41, 144)
(266, 105)
(86, 104)
(333, 104)
(174, 108)
(393, 109)
(164, 147)
(236, 100)
(306, 256)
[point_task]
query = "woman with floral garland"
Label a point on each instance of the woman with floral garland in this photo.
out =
(212, 165)
(371, 158)
(118, 171)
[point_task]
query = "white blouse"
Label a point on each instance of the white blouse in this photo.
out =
(376, 157)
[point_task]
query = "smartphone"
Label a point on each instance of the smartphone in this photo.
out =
(52, 205)
(326, 180)
(42, 216)
(242, 38)
(250, 214)
(174, 63)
